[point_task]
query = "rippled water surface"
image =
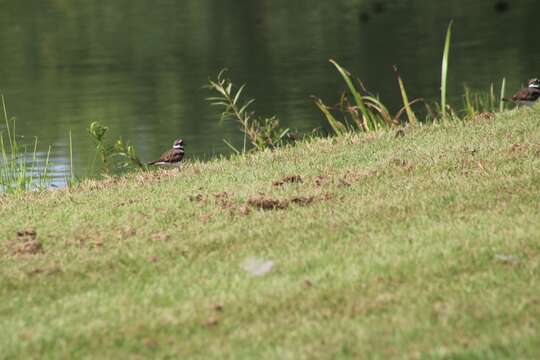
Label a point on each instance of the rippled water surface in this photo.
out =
(139, 66)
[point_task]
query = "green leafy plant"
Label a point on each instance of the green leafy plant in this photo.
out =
(103, 151)
(262, 133)
(116, 157)
(366, 112)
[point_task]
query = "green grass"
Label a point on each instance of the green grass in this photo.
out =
(421, 246)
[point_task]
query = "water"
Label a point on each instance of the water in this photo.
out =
(139, 66)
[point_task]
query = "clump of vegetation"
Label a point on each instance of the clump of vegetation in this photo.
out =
(479, 102)
(21, 169)
(263, 133)
(366, 112)
(115, 157)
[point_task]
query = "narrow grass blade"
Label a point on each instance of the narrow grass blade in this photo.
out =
(444, 68)
(338, 127)
(406, 104)
(283, 133)
(238, 93)
(402, 110)
(231, 146)
(7, 123)
(503, 90)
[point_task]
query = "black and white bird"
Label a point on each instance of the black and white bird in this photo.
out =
(527, 96)
(171, 157)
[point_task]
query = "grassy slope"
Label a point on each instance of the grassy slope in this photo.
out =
(427, 245)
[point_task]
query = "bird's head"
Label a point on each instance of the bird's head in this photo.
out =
(178, 144)
(534, 83)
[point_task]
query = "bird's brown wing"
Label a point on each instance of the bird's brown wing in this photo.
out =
(527, 94)
(171, 156)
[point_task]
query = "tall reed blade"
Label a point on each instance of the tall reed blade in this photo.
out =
(503, 90)
(406, 104)
(7, 124)
(444, 68)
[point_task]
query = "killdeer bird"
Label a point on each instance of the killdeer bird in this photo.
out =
(527, 96)
(171, 157)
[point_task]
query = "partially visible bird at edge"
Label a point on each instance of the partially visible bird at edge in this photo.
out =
(527, 96)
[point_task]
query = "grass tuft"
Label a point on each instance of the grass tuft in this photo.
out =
(20, 170)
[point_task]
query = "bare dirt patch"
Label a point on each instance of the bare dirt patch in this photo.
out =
(291, 179)
(485, 116)
(159, 237)
(27, 234)
(244, 210)
(224, 199)
(321, 180)
(302, 200)
(48, 270)
(342, 182)
(26, 243)
(211, 321)
(197, 198)
(267, 203)
(404, 164)
(262, 202)
(28, 247)
(126, 232)
(124, 203)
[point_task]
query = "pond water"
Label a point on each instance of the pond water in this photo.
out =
(139, 66)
